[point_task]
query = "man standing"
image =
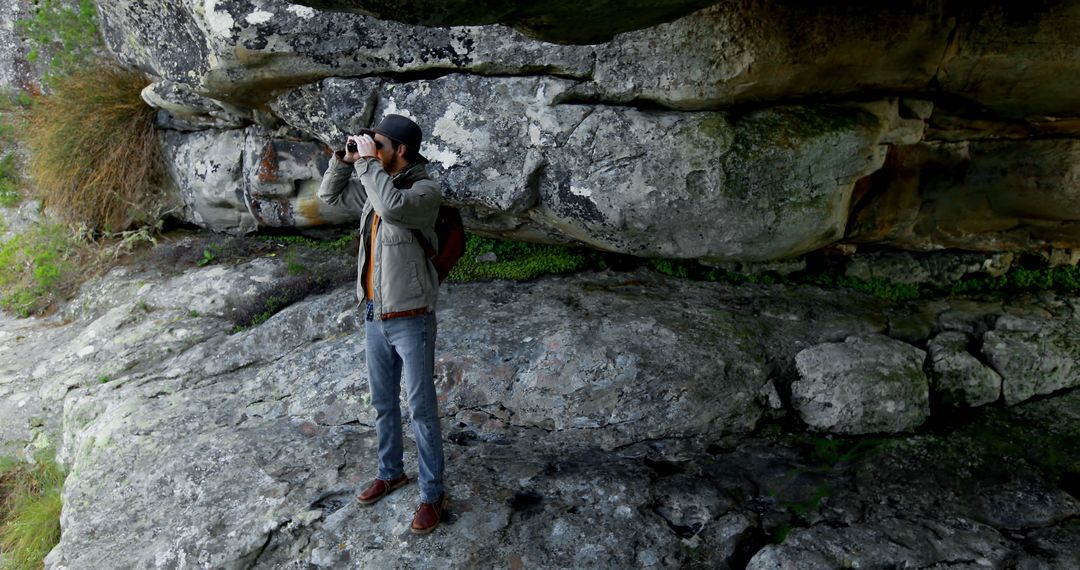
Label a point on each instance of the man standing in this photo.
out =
(397, 287)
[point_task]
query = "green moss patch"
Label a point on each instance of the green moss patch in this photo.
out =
(488, 258)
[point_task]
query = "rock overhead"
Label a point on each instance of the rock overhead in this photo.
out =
(733, 132)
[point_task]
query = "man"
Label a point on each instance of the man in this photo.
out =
(397, 287)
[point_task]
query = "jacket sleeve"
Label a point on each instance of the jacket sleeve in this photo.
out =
(414, 208)
(338, 188)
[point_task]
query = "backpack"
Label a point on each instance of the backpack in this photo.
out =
(451, 232)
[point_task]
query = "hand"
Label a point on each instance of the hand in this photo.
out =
(350, 155)
(365, 147)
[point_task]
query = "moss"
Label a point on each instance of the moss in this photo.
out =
(340, 244)
(518, 261)
(1020, 279)
(1017, 280)
(791, 127)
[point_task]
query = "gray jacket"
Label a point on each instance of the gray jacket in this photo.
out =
(404, 279)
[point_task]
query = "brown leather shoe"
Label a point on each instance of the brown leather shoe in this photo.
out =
(429, 515)
(380, 488)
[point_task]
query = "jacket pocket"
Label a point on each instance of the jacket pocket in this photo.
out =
(414, 280)
(390, 234)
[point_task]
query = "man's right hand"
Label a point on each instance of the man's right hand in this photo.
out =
(351, 156)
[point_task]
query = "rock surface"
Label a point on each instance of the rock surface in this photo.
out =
(607, 419)
(960, 379)
(735, 133)
(566, 22)
(865, 384)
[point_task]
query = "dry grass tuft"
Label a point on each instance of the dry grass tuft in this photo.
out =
(95, 159)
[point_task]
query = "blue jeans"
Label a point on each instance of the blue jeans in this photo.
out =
(406, 344)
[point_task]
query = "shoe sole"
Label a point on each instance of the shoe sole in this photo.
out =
(432, 527)
(391, 489)
(425, 530)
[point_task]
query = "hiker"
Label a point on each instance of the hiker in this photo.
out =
(397, 287)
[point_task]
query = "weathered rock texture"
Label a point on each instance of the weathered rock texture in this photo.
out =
(594, 420)
(561, 21)
(865, 384)
(740, 132)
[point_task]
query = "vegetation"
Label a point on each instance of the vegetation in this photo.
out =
(92, 155)
(10, 181)
(30, 503)
(311, 267)
(95, 158)
(1016, 280)
(64, 35)
(487, 258)
(13, 106)
(40, 267)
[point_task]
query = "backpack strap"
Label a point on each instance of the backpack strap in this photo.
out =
(424, 243)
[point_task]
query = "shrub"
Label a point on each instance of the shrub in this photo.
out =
(30, 504)
(95, 158)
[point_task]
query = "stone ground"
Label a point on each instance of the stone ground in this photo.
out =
(595, 420)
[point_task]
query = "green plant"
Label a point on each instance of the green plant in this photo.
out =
(209, 253)
(67, 36)
(274, 304)
(12, 119)
(95, 158)
(40, 267)
(193, 313)
(10, 181)
(30, 505)
(338, 245)
(516, 260)
(103, 378)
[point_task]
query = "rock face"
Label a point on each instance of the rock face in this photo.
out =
(959, 378)
(740, 132)
(567, 22)
(866, 384)
(1031, 357)
(607, 419)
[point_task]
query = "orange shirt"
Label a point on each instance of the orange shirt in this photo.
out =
(369, 274)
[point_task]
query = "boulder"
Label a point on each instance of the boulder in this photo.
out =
(745, 51)
(760, 186)
(936, 268)
(866, 384)
(244, 53)
(1033, 355)
(207, 170)
(764, 155)
(960, 379)
(897, 542)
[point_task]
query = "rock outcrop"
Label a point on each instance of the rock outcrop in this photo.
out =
(578, 411)
(743, 131)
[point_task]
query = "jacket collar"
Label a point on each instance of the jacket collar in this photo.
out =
(410, 175)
